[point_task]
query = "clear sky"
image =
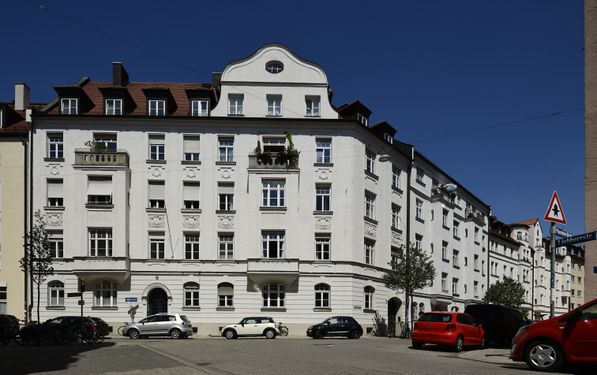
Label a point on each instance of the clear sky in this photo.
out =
(456, 78)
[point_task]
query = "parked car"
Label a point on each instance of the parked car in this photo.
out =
(164, 324)
(9, 327)
(103, 328)
(499, 322)
(569, 338)
(253, 326)
(336, 326)
(453, 329)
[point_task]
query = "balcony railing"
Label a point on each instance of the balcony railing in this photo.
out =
(476, 216)
(439, 194)
(272, 160)
(86, 157)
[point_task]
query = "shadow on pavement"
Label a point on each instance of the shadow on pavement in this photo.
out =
(576, 370)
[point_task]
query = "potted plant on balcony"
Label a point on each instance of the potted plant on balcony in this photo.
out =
(96, 146)
(289, 155)
(263, 157)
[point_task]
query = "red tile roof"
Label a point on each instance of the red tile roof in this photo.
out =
(528, 222)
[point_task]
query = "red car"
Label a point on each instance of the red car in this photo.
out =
(569, 338)
(447, 328)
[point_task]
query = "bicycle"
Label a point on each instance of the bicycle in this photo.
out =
(283, 329)
(120, 329)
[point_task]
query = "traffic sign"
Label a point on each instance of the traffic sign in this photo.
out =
(76, 294)
(130, 299)
(555, 212)
(585, 237)
(81, 303)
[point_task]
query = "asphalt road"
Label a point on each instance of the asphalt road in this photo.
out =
(251, 356)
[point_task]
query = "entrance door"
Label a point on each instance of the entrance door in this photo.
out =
(393, 307)
(157, 301)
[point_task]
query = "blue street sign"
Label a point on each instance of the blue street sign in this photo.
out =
(585, 237)
(130, 299)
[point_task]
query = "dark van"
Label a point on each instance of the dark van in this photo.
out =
(500, 322)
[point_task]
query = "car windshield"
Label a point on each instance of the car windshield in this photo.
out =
(442, 318)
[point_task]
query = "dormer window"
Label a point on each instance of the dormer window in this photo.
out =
(274, 66)
(69, 106)
(388, 138)
(113, 107)
(199, 107)
(312, 104)
(157, 107)
(362, 119)
(1, 117)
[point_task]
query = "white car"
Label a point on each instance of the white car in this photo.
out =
(254, 326)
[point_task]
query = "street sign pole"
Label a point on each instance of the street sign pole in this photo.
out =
(552, 245)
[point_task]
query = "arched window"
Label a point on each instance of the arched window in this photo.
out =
(369, 291)
(55, 293)
(105, 293)
(322, 295)
(225, 294)
(191, 294)
(273, 295)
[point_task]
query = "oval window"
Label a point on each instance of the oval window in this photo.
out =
(274, 66)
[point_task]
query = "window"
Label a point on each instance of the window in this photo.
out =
(274, 105)
(225, 295)
(322, 247)
(445, 219)
(369, 205)
(396, 220)
(191, 246)
(455, 259)
(323, 150)
(418, 241)
(444, 282)
(55, 193)
(420, 175)
(476, 235)
(113, 107)
(322, 197)
(322, 296)
(100, 242)
(362, 119)
(55, 293)
(274, 144)
(272, 244)
(455, 225)
(99, 190)
(226, 148)
(157, 245)
(56, 243)
(190, 195)
(199, 107)
(395, 254)
(273, 295)
(419, 210)
(191, 294)
(3, 298)
(444, 250)
(226, 245)
(455, 286)
(235, 104)
(190, 147)
(312, 105)
(395, 177)
(1, 126)
(157, 107)
(69, 106)
(106, 141)
(273, 193)
(156, 193)
(274, 66)
(476, 289)
(369, 292)
(226, 196)
(476, 262)
(105, 294)
(369, 252)
(55, 146)
(369, 161)
(157, 147)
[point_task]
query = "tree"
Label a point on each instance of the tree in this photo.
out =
(507, 292)
(411, 269)
(37, 260)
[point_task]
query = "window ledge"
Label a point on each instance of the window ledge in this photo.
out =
(477, 243)
(476, 270)
(191, 308)
(54, 208)
(420, 220)
(456, 238)
(457, 267)
(396, 189)
(445, 227)
(370, 220)
(322, 261)
(323, 164)
(152, 161)
(55, 308)
(369, 311)
(185, 210)
(220, 162)
(396, 229)
(446, 260)
(312, 116)
(190, 162)
(99, 206)
(105, 308)
(225, 212)
(456, 294)
(371, 175)
(155, 210)
(274, 309)
(56, 160)
(420, 183)
(236, 115)
(224, 308)
(322, 309)
(230, 261)
(323, 212)
(272, 209)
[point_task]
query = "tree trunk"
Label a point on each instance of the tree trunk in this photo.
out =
(407, 312)
(38, 296)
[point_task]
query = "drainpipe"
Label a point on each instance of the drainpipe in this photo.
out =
(30, 198)
(25, 210)
(408, 176)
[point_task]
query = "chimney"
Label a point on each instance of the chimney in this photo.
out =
(216, 80)
(119, 75)
(21, 96)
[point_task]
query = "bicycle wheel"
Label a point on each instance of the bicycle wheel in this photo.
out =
(283, 331)
(120, 330)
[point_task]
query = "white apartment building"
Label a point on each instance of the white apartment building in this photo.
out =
(180, 197)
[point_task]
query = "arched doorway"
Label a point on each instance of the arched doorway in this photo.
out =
(157, 301)
(393, 307)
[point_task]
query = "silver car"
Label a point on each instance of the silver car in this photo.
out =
(174, 325)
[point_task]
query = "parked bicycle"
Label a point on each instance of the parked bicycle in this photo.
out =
(283, 329)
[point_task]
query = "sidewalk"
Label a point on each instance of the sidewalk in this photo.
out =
(496, 356)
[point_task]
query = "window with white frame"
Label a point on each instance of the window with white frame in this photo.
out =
(190, 195)
(235, 104)
(156, 107)
(396, 219)
(226, 245)
(476, 235)
(190, 147)
(191, 294)
(157, 245)
(107, 141)
(455, 286)
(420, 175)
(273, 193)
(100, 242)
(369, 205)
(273, 295)
(419, 209)
(272, 244)
(225, 295)
(274, 144)
(56, 244)
(55, 146)
(99, 190)
(444, 250)
(476, 262)
(323, 194)
(226, 148)
(1, 117)
(323, 150)
(445, 220)
(455, 254)
(476, 289)
(483, 268)
(444, 282)
(274, 105)
(369, 292)
(55, 193)
(455, 226)
(157, 147)
(3, 299)
(199, 107)
(396, 177)
(105, 294)
(55, 294)
(362, 119)
(418, 241)
(156, 194)
(312, 104)
(191, 246)
(322, 296)
(113, 107)
(226, 196)
(369, 161)
(369, 251)
(69, 106)
(322, 246)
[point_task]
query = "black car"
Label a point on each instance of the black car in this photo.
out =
(103, 329)
(344, 326)
(500, 322)
(9, 327)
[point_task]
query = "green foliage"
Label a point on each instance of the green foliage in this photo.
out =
(507, 292)
(96, 146)
(290, 154)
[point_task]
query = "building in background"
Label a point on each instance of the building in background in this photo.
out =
(577, 276)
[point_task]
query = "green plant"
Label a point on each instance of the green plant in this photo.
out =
(96, 146)
(290, 154)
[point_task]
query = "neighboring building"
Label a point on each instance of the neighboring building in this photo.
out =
(13, 156)
(577, 276)
(156, 196)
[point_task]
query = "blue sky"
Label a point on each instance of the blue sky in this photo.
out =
(453, 77)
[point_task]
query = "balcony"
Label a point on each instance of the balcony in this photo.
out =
(440, 194)
(474, 215)
(98, 268)
(262, 270)
(273, 160)
(87, 158)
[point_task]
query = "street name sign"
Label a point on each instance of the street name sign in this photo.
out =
(585, 237)
(76, 294)
(130, 299)
(554, 212)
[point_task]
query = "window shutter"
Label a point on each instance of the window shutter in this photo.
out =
(156, 190)
(225, 290)
(55, 189)
(190, 191)
(225, 188)
(99, 186)
(190, 144)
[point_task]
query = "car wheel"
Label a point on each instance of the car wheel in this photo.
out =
(134, 334)
(483, 343)
(354, 335)
(270, 334)
(417, 345)
(175, 333)
(543, 356)
(459, 344)
(230, 334)
(318, 335)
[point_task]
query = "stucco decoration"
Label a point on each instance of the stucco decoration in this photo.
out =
(155, 171)
(323, 222)
(54, 169)
(155, 221)
(54, 219)
(225, 222)
(324, 174)
(370, 229)
(191, 172)
(226, 173)
(190, 221)
(396, 238)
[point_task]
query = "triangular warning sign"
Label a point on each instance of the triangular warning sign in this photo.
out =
(555, 212)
